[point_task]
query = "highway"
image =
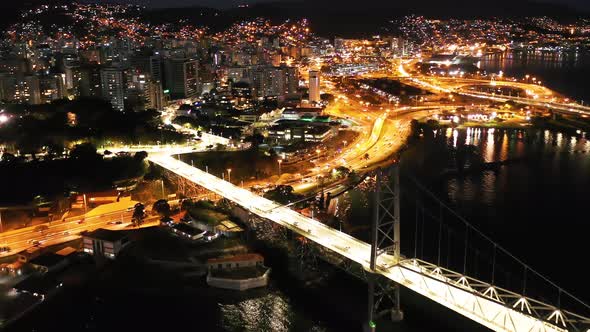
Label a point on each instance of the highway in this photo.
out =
(540, 96)
(61, 231)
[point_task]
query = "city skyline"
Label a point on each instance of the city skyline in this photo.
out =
(286, 167)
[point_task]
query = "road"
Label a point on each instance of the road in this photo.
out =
(62, 231)
(538, 95)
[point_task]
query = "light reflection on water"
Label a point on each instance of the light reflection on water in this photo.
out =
(270, 312)
(558, 153)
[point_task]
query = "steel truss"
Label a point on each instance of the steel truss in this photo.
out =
(492, 306)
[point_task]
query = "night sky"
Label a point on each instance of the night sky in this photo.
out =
(580, 4)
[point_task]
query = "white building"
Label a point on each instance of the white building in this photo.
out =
(113, 87)
(314, 86)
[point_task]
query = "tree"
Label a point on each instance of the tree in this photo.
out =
(7, 157)
(282, 194)
(54, 150)
(138, 214)
(414, 128)
(140, 155)
(84, 151)
(162, 208)
(255, 139)
(186, 204)
(341, 172)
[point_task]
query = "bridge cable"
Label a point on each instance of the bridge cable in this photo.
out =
(448, 247)
(524, 282)
(422, 235)
(465, 254)
(439, 234)
(416, 232)
(499, 247)
(493, 264)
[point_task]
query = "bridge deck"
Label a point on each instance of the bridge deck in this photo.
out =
(469, 297)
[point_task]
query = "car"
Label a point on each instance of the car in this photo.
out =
(80, 221)
(4, 249)
(35, 243)
(66, 233)
(210, 236)
(117, 222)
(41, 228)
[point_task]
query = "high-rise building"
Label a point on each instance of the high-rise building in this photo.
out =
(314, 86)
(113, 86)
(89, 84)
(28, 90)
(291, 79)
(148, 63)
(274, 81)
(238, 74)
(182, 77)
(72, 72)
(51, 87)
(8, 84)
(155, 96)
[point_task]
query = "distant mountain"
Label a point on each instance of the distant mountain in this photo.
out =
(9, 10)
(349, 18)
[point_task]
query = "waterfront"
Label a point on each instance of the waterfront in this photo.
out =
(565, 72)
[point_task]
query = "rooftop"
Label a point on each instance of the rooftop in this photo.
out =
(236, 258)
(47, 259)
(106, 235)
(228, 226)
(184, 228)
(246, 272)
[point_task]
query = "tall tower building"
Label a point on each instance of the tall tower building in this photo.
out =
(113, 87)
(314, 86)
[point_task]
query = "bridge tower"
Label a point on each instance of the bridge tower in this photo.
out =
(385, 238)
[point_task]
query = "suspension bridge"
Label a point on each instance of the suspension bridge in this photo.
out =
(485, 302)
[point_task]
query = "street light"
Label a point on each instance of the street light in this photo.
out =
(280, 161)
(229, 175)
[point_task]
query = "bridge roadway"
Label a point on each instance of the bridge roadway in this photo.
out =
(473, 299)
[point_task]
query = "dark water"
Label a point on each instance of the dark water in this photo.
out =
(536, 207)
(566, 73)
